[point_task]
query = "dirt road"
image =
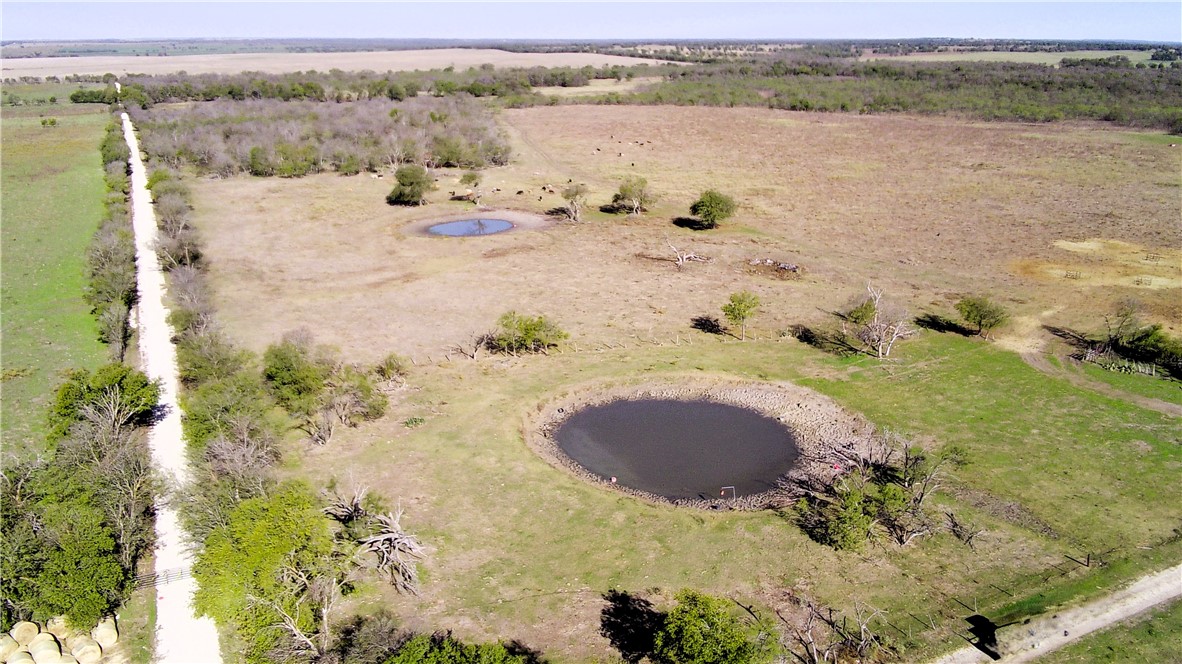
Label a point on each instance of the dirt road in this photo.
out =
(181, 637)
(1026, 643)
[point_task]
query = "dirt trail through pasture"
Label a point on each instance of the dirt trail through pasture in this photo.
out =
(1026, 643)
(1026, 337)
(181, 637)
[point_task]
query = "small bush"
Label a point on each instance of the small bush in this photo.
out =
(713, 207)
(516, 334)
(412, 187)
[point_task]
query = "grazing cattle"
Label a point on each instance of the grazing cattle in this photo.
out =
(520, 192)
(539, 199)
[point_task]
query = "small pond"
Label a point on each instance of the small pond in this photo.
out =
(470, 227)
(679, 449)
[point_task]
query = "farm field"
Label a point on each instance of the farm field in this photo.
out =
(233, 63)
(52, 204)
(1045, 58)
(928, 209)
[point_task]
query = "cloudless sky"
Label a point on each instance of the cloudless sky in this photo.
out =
(1149, 21)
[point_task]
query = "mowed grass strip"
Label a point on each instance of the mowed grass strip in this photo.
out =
(51, 204)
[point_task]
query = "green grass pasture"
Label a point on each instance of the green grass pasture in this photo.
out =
(51, 204)
(521, 546)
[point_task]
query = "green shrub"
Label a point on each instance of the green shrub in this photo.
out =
(293, 377)
(979, 311)
(713, 207)
(516, 333)
(446, 649)
(137, 396)
(702, 630)
(412, 187)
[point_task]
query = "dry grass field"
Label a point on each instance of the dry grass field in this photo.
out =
(929, 208)
(233, 63)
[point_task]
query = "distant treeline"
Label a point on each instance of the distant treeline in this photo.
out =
(1149, 98)
(289, 139)
(337, 85)
(819, 77)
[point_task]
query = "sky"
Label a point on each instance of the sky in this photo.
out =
(1145, 21)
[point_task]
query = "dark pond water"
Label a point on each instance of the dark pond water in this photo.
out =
(679, 449)
(469, 227)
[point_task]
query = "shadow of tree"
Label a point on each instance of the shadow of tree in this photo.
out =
(630, 624)
(691, 223)
(707, 324)
(529, 655)
(938, 323)
(833, 341)
(984, 631)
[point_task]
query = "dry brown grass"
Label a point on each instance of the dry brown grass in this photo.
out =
(599, 86)
(928, 208)
(233, 63)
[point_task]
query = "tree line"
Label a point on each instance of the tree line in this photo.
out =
(76, 520)
(291, 139)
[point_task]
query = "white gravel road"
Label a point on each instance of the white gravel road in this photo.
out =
(1026, 643)
(181, 637)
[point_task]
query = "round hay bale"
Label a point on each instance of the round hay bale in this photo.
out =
(45, 649)
(69, 659)
(86, 649)
(106, 634)
(24, 631)
(8, 645)
(19, 657)
(57, 627)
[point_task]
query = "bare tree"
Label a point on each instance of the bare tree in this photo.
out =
(398, 552)
(963, 530)
(884, 324)
(684, 257)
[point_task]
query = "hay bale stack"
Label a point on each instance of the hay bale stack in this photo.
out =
(106, 633)
(57, 627)
(85, 649)
(45, 649)
(8, 645)
(24, 631)
(69, 659)
(19, 657)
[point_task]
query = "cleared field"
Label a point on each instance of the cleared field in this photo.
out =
(599, 86)
(1009, 56)
(52, 202)
(928, 208)
(233, 63)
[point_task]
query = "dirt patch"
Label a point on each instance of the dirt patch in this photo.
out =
(816, 421)
(1100, 262)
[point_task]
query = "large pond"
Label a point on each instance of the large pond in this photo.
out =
(680, 449)
(470, 227)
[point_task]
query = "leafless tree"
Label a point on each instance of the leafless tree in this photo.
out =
(885, 325)
(682, 258)
(346, 510)
(397, 551)
(827, 637)
(963, 530)
(127, 488)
